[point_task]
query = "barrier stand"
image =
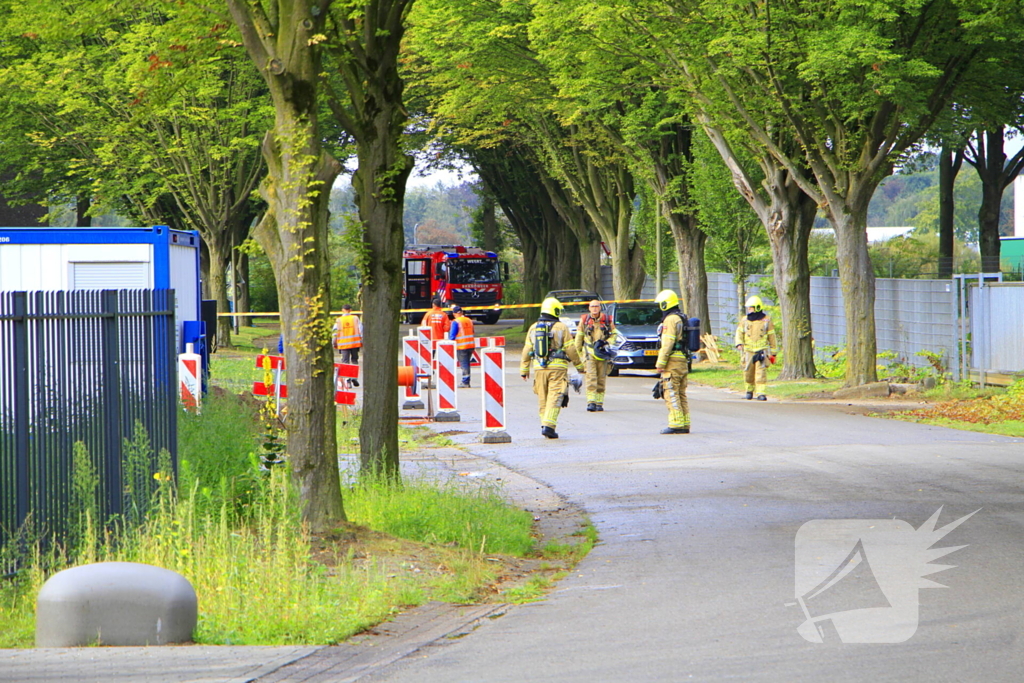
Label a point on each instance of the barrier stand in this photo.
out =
(426, 362)
(447, 406)
(277, 389)
(190, 388)
(494, 396)
(411, 355)
(342, 372)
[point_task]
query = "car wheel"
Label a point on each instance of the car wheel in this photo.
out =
(614, 371)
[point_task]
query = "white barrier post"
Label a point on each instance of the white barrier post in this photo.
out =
(426, 364)
(190, 387)
(446, 402)
(494, 396)
(411, 355)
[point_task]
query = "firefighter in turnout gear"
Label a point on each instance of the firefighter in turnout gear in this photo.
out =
(755, 340)
(548, 350)
(672, 363)
(595, 326)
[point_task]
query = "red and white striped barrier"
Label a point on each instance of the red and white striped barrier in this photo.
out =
(189, 385)
(494, 396)
(279, 390)
(447, 405)
(485, 343)
(342, 373)
(411, 356)
(426, 362)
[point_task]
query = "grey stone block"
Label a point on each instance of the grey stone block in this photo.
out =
(115, 603)
(870, 390)
(495, 436)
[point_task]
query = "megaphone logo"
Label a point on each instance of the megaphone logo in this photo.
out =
(857, 580)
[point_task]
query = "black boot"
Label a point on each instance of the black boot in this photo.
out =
(599, 407)
(750, 395)
(549, 432)
(591, 407)
(675, 430)
(762, 397)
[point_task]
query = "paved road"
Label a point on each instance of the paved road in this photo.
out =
(695, 576)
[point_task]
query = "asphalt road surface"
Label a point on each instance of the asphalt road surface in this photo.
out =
(700, 565)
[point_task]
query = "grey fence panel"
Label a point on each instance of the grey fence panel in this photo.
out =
(82, 367)
(997, 327)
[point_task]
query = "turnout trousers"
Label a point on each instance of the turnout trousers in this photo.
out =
(550, 384)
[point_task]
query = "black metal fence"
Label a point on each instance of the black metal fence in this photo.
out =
(95, 367)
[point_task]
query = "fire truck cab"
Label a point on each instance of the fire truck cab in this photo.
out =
(467, 276)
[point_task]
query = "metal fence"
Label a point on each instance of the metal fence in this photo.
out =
(910, 315)
(997, 327)
(90, 367)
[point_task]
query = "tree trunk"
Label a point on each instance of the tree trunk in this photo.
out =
(949, 166)
(219, 291)
(587, 239)
(693, 276)
(82, 217)
(293, 233)
(990, 168)
(789, 229)
(244, 301)
(858, 282)
(489, 223)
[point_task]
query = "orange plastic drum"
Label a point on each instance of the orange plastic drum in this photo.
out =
(406, 375)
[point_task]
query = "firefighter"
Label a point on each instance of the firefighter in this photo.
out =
(755, 339)
(549, 349)
(672, 362)
(462, 333)
(437, 320)
(595, 326)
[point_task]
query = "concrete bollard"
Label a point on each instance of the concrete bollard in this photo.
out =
(115, 603)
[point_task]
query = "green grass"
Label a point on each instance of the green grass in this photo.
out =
(236, 534)
(729, 376)
(442, 513)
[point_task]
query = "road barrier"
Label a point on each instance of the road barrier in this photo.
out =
(190, 387)
(494, 396)
(411, 357)
(447, 403)
(278, 389)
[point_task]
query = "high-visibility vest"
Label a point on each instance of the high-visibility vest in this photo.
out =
(346, 333)
(438, 322)
(464, 340)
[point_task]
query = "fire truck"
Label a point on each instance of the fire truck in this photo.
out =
(466, 276)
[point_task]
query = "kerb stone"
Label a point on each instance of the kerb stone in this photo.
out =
(115, 603)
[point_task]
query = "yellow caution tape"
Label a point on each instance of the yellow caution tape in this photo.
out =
(465, 308)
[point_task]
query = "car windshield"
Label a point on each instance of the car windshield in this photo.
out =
(639, 315)
(473, 271)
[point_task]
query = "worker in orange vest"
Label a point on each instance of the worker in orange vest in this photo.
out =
(437, 320)
(462, 333)
(348, 335)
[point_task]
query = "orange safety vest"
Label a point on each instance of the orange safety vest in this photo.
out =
(346, 333)
(465, 340)
(438, 322)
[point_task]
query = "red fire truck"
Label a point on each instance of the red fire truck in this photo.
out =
(466, 276)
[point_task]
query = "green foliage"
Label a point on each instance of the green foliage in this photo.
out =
(831, 362)
(216, 454)
(1002, 413)
(441, 513)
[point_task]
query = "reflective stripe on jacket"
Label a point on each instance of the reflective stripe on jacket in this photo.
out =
(463, 329)
(348, 333)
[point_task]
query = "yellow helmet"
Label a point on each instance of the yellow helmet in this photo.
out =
(755, 303)
(551, 306)
(667, 299)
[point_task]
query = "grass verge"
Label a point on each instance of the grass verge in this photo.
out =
(262, 579)
(1000, 413)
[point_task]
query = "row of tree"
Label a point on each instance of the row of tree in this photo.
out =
(570, 108)
(176, 110)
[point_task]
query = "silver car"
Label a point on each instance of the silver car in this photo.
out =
(638, 343)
